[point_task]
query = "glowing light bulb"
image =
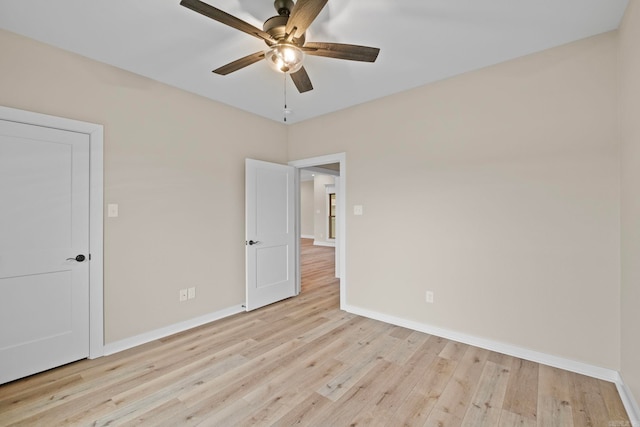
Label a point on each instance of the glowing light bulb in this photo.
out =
(284, 57)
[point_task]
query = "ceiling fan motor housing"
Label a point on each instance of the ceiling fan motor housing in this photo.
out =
(275, 27)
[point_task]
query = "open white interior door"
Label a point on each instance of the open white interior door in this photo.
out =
(270, 233)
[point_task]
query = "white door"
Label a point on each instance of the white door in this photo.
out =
(270, 233)
(44, 226)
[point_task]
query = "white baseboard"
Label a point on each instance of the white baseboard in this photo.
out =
(511, 350)
(307, 236)
(630, 404)
(328, 244)
(137, 340)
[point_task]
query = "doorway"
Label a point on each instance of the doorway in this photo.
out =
(30, 138)
(317, 226)
(337, 164)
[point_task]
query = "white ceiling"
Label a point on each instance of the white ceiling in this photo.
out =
(421, 41)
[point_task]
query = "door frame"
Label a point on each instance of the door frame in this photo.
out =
(341, 199)
(96, 205)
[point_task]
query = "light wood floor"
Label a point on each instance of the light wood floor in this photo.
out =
(304, 362)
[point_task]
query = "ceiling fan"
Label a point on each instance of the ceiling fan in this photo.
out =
(284, 35)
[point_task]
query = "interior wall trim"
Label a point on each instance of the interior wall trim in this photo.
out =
(327, 244)
(629, 402)
(127, 343)
(523, 353)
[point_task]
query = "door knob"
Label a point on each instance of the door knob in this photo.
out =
(78, 258)
(253, 242)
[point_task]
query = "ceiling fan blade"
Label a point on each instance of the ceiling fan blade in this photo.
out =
(301, 80)
(224, 18)
(302, 15)
(342, 51)
(239, 63)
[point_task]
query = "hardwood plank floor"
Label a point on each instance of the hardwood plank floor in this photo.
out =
(304, 362)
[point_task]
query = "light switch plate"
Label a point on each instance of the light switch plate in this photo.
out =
(112, 210)
(357, 209)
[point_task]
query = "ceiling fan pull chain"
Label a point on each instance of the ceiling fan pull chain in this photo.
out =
(284, 112)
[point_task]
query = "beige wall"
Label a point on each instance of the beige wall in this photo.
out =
(630, 132)
(307, 220)
(174, 162)
(500, 193)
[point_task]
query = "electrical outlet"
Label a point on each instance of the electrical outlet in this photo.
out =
(429, 297)
(183, 295)
(191, 292)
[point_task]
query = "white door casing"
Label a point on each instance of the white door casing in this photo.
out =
(35, 248)
(270, 233)
(341, 223)
(338, 219)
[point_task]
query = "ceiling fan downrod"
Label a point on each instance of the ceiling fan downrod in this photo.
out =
(283, 7)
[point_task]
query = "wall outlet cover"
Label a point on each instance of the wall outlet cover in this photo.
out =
(429, 297)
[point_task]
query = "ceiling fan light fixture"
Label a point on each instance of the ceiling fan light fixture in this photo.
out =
(284, 58)
(285, 36)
